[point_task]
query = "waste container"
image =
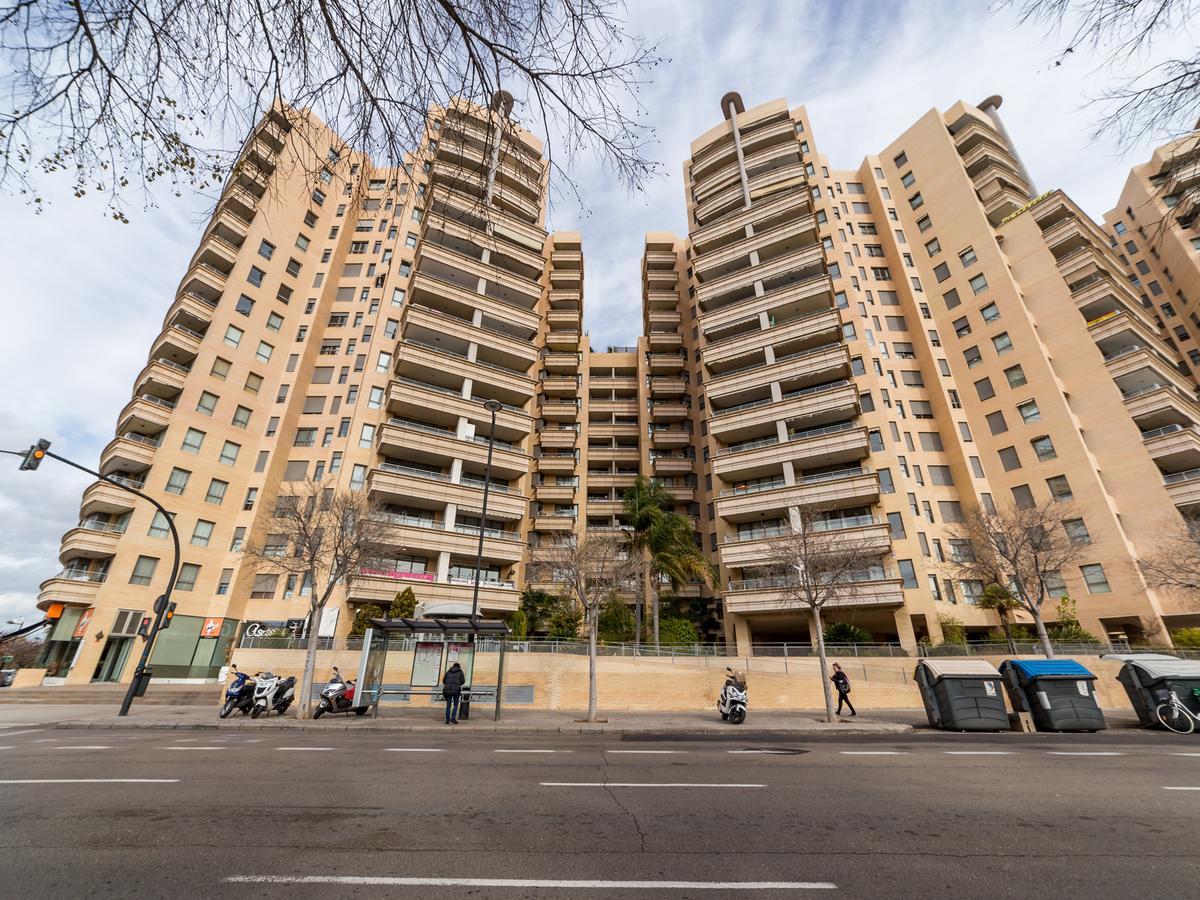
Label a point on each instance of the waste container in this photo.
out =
(962, 694)
(1058, 693)
(1149, 677)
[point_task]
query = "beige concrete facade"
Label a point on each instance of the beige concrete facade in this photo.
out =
(898, 343)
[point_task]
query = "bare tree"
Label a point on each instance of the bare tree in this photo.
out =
(588, 571)
(322, 537)
(1176, 564)
(117, 92)
(1021, 548)
(814, 566)
(1159, 101)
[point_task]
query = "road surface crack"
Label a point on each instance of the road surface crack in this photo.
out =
(621, 806)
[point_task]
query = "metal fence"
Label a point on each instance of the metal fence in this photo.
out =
(802, 650)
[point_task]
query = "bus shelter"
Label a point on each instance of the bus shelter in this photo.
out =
(429, 656)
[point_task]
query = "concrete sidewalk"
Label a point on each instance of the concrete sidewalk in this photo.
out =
(893, 722)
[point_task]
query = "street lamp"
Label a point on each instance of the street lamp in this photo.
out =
(31, 458)
(493, 407)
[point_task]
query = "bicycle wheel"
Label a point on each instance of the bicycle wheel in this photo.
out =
(1174, 719)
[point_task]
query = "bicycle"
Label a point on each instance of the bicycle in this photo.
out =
(1176, 717)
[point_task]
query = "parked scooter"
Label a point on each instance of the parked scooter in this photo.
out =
(272, 693)
(338, 697)
(239, 694)
(732, 702)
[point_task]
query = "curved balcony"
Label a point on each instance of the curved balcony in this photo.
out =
(73, 587)
(399, 484)
(853, 486)
(145, 415)
(380, 587)
(103, 497)
(866, 534)
(830, 445)
(764, 595)
(413, 439)
(91, 539)
(128, 452)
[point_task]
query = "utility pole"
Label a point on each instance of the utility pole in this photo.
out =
(163, 607)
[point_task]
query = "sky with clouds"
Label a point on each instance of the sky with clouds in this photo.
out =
(85, 296)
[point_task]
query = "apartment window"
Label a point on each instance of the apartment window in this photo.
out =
(220, 368)
(266, 249)
(967, 257)
(143, 570)
(1029, 411)
(251, 498)
(310, 219)
(318, 197)
(933, 247)
(900, 159)
(1094, 578)
(962, 326)
(990, 313)
(983, 387)
(366, 438)
(193, 440)
(275, 321)
(358, 477)
(907, 179)
(188, 573)
(255, 276)
(896, 522)
(264, 587)
(950, 298)
(1002, 343)
(1043, 448)
(1060, 488)
(264, 352)
(305, 437)
(293, 267)
(941, 271)
(233, 335)
(239, 539)
(964, 431)
(1077, 531)
(244, 305)
(1009, 459)
(908, 575)
(229, 453)
(384, 363)
(302, 241)
(978, 283)
(177, 482)
(996, 423)
(1015, 376)
(159, 526)
(241, 417)
(916, 201)
(281, 395)
(224, 581)
(375, 398)
(272, 426)
(207, 403)
(260, 463)
(216, 491)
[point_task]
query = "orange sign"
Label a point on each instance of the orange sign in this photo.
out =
(82, 625)
(55, 610)
(211, 628)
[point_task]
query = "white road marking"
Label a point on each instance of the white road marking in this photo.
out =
(977, 752)
(303, 748)
(83, 747)
(1185, 754)
(643, 784)
(1084, 753)
(1181, 788)
(414, 749)
(645, 751)
(194, 748)
(9, 734)
(45, 741)
(9, 747)
(873, 752)
(775, 752)
(90, 781)
(19, 724)
(539, 883)
(533, 751)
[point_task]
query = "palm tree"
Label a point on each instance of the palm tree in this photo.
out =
(674, 558)
(997, 598)
(647, 504)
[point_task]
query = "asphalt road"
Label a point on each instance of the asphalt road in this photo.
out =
(929, 815)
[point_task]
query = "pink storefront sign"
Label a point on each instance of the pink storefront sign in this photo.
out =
(408, 576)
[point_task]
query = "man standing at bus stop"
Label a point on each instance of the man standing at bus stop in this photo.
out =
(452, 683)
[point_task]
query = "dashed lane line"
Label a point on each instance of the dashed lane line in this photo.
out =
(1084, 753)
(1181, 788)
(533, 751)
(977, 752)
(645, 751)
(413, 750)
(303, 748)
(9, 734)
(644, 784)
(90, 781)
(543, 883)
(873, 752)
(83, 747)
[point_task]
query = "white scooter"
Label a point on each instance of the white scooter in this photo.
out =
(732, 702)
(272, 693)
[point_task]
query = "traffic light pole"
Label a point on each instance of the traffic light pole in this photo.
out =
(163, 602)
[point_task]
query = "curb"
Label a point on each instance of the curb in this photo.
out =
(882, 728)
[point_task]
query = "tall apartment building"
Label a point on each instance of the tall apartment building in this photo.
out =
(896, 344)
(901, 342)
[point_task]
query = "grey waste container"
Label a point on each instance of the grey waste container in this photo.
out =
(1149, 677)
(962, 694)
(1058, 693)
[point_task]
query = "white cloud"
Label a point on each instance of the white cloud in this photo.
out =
(84, 296)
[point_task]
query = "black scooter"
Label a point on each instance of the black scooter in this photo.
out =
(239, 695)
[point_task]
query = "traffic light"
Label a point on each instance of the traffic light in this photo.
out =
(34, 455)
(166, 623)
(144, 628)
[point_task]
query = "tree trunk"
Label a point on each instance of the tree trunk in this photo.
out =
(1047, 647)
(304, 693)
(654, 599)
(1012, 648)
(592, 629)
(816, 614)
(639, 603)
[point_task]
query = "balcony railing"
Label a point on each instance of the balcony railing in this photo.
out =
(416, 473)
(128, 482)
(157, 401)
(874, 573)
(788, 357)
(1166, 429)
(172, 365)
(488, 532)
(794, 436)
(82, 575)
(101, 525)
(790, 395)
(483, 582)
(1177, 477)
(141, 439)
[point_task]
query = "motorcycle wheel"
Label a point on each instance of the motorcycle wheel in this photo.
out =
(360, 711)
(256, 712)
(737, 716)
(283, 707)
(318, 712)
(228, 708)
(724, 716)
